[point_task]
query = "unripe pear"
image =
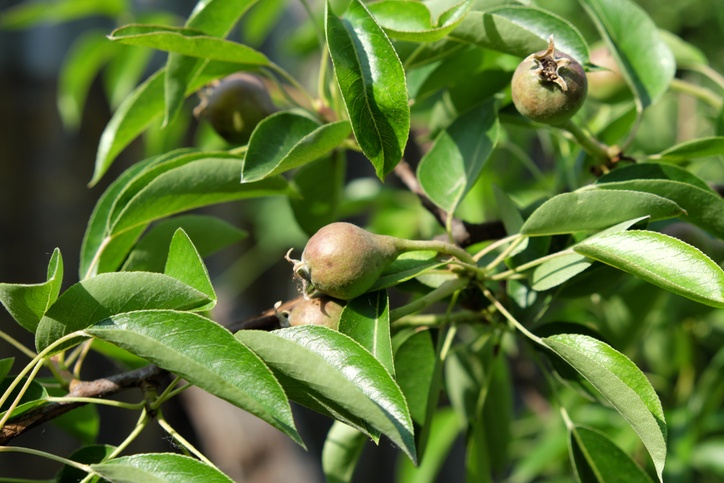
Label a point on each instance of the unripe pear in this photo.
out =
(235, 105)
(549, 86)
(324, 311)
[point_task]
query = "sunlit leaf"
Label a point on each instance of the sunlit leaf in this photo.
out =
(366, 319)
(596, 458)
(413, 21)
(159, 468)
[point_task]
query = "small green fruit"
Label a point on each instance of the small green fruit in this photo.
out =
(324, 311)
(235, 105)
(549, 86)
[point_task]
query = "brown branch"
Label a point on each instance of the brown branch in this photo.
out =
(98, 388)
(464, 233)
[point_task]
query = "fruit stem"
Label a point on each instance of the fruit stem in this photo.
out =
(445, 290)
(439, 246)
(589, 143)
(701, 93)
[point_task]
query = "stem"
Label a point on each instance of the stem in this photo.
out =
(181, 440)
(21, 393)
(436, 320)
(289, 78)
(504, 254)
(713, 75)
(701, 93)
(141, 424)
(95, 400)
(529, 265)
(170, 391)
(50, 456)
(446, 289)
(588, 142)
(97, 257)
(510, 317)
(436, 245)
(15, 343)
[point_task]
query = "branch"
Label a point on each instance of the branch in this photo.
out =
(98, 388)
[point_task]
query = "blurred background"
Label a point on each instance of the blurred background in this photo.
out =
(46, 162)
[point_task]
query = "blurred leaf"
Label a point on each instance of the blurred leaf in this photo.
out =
(587, 210)
(451, 167)
(96, 298)
(185, 264)
(331, 373)
(653, 171)
(372, 82)
(289, 139)
(444, 430)
(366, 319)
(27, 303)
(697, 148)
(206, 355)
(86, 455)
(342, 450)
(83, 422)
(521, 31)
(415, 370)
(319, 186)
(662, 260)
(413, 21)
(34, 396)
(30, 13)
(622, 383)
(6, 365)
(208, 233)
(189, 42)
(646, 62)
(85, 58)
(685, 54)
(259, 23)
(596, 458)
(159, 468)
(215, 18)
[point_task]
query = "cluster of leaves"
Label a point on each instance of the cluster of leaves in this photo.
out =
(391, 72)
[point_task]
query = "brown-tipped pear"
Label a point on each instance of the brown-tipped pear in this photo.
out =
(343, 261)
(235, 105)
(549, 86)
(324, 311)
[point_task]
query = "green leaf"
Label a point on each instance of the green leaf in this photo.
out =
(27, 14)
(319, 187)
(406, 267)
(190, 42)
(209, 234)
(6, 364)
(554, 272)
(206, 355)
(686, 55)
(215, 18)
(87, 454)
(33, 397)
(288, 139)
(27, 303)
(646, 62)
(521, 31)
(588, 210)
(451, 167)
(366, 319)
(596, 458)
(372, 82)
(94, 299)
(185, 264)
(331, 373)
(82, 423)
(662, 260)
(342, 450)
(414, 369)
(158, 468)
(413, 21)
(139, 109)
(202, 182)
(696, 148)
(88, 54)
(621, 383)
(653, 171)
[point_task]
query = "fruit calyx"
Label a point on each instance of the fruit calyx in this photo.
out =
(549, 65)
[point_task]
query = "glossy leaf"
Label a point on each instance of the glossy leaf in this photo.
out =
(342, 450)
(184, 263)
(199, 183)
(662, 260)
(289, 139)
(331, 373)
(413, 21)
(319, 187)
(158, 468)
(621, 383)
(94, 299)
(521, 31)
(697, 148)
(208, 234)
(94, 453)
(190, 42)
(451, 167)
(588, 210)
(206, 355)
(366, 319)
(214, 18)
(596, 458)
(646, 62)
(372, 82)
(414, 370)
(27, 303)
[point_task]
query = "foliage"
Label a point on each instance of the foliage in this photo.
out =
(582, 239)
